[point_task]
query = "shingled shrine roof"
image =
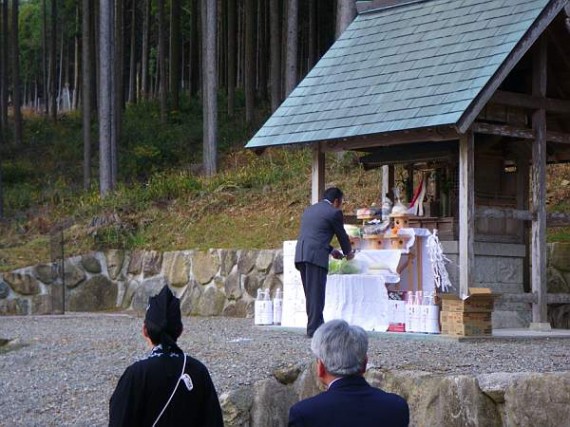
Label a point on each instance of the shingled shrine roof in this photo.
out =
(415, 65)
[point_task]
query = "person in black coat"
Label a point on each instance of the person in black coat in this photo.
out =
(168, 387)
(319, 224)
(350, 401)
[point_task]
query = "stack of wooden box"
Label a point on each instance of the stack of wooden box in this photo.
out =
(470, 316)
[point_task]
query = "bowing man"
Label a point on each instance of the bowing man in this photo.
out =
(349, 401)
(167, 387)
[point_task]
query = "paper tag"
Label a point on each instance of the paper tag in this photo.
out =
(187, 381)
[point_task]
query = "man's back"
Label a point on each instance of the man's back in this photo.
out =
(351, 402)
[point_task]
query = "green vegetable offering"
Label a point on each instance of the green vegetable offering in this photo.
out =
(343, 266)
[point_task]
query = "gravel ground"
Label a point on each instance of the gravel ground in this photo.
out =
(61, 370)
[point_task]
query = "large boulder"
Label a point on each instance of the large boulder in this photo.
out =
(114, 259)
(97, 294)
(42, 304)
(232, 286)
(190, 298)
(72, 274)
(271, 403)
(538, 400)
(246, 261)
(91, 264)
(22, 283)
(45, 273)
(176, 268)
(4, 290)
(14, 307)
(205, 265)
(251, 284)
(236, 406)
(236, 309)
(228, 258)
(437, 400)
(264, 260)
(147, 288)
(211, 302)
(152, 263)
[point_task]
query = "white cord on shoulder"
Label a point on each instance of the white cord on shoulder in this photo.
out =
(173, 391)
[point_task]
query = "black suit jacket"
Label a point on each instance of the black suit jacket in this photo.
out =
(319, 223)
(351, 402)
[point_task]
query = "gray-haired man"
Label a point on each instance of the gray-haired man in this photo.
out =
(350, 401)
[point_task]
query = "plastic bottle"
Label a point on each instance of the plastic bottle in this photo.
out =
(410, 297)
(277, 307)
(259, 308)
(268, 308)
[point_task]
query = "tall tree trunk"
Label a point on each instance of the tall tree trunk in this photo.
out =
(4, 36)
(292, 46)
(118, 83)
(210, 87)
(76, 61)
(106, 114)
(132, 55)
(86, 91)
(53, 61)
(17, 90)
(261, 57)
(345, 14)
(249, 61)
(312, 38)
(195, 66)
(175, 54)
(162, 82)
(45, 55)
(145, 51)
(232, 36)
(275, 52)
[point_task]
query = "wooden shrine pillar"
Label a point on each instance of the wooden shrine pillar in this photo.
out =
(387, 181)
(317, 173)
(466, 212)
(538, 233)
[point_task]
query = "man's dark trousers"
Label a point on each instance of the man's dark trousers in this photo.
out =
(314, 280)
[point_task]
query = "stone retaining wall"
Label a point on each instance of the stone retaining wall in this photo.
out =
(487, 400)
(210, 283)
(222, 282)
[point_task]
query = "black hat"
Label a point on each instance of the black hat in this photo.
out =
(163, 317)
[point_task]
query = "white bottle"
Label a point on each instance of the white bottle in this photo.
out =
(416, 327)
(259, 308)
(268, 308)
(277, 307)
(409, 311)
(432, 321)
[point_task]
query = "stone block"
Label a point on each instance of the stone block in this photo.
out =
(538, 400)
(228, 259)
(45, 273)
(148, 288)
(14, 307)
(91, 264)
(72, 274)
(246, 261)
(232, 286)
(152, 263)
(4, 289)
(189, 301)
(271, 403)
(251, 284)
(211, 302)
(114, 259)
(498, 269)
(205, 265)
(22, 283)
(264, 261)
(235, 309)
(42, 304)
(176, 268)
(135, 263)
(98, 293)
(236, 405)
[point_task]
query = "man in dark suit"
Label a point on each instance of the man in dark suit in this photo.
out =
(350, 401)
(319, 223)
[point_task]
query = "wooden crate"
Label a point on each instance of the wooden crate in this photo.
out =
(479, 300)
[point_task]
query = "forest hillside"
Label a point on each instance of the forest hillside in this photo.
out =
(163, 201)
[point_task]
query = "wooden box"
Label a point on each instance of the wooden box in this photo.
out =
(469, 317)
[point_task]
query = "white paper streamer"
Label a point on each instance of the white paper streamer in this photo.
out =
(438, 261)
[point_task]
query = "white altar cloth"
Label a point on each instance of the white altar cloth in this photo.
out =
(359, 299)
